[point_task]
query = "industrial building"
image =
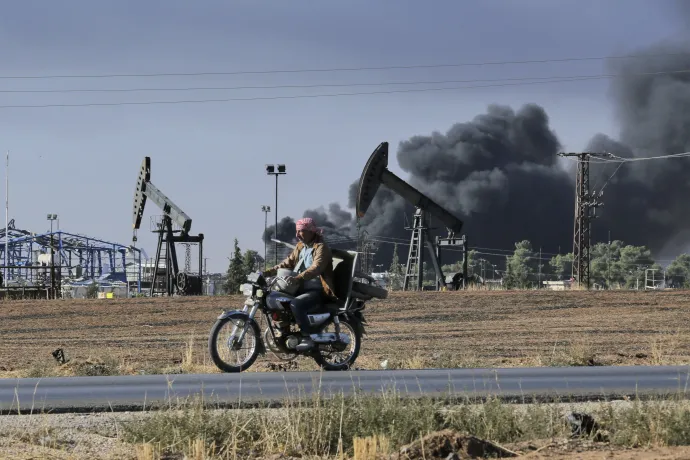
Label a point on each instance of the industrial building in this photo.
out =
(62, 264)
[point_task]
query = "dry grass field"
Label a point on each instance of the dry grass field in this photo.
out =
(407, 330)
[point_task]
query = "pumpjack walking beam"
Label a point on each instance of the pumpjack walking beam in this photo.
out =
(175, 282)
(376, 173)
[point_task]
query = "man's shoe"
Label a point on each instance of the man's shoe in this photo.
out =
(305, 345)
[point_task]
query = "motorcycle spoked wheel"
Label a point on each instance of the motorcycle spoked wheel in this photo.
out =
(275, 351)
(322, 354)
(251, 338)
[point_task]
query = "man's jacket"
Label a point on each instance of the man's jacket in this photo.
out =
(322, 266)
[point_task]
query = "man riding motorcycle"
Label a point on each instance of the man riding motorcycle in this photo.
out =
(313, 262)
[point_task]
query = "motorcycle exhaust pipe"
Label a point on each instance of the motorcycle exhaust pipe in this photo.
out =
(330, 337)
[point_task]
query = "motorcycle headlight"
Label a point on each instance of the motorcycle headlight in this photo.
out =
(246, 289)
(259, 293)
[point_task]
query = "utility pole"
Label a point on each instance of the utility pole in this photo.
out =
(586, 203)
(539, 287)
(7, 212)
(608, 277)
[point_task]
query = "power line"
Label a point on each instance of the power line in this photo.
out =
(334, 85)
(618, 159)
(346, 69)
(675, 155)
(303, 96)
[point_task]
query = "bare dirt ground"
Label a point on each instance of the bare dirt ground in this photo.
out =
(410, 330)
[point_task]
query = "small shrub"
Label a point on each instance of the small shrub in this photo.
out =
(92, 291)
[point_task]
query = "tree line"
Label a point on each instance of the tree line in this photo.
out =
(613, 265)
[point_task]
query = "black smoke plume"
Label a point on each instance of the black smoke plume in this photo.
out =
(500, 167)
(646, 200)
(500, 172)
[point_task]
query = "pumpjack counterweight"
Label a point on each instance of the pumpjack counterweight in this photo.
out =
(174, 282)
(376, 173)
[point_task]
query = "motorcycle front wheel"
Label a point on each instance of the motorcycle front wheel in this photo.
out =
(223, 343)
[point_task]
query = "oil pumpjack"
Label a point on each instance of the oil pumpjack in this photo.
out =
(376, 173)
(175, 282)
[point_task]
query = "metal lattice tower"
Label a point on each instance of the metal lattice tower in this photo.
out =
(414, 272)
(586, 203)
(361, 237)
(187, 257)
(368, 250)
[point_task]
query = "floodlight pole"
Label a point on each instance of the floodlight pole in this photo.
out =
(276, 170)
(266, 209)
(51, 218)
(275, 230)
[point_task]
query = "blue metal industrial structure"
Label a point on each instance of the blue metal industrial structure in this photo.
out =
(73, 256)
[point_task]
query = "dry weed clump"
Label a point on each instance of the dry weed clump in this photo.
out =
(375, 427)
(648, 423)
(78, 367)
(357, 425)
(389, 426)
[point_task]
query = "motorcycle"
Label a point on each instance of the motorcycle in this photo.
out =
(340, 323)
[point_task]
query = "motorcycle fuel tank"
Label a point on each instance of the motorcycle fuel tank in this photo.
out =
(278, 301)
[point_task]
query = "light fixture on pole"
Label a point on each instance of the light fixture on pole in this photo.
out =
(276, 170)
(51, 218)
(266, 209)
(7, 213)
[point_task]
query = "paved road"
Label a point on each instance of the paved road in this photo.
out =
(135, 392)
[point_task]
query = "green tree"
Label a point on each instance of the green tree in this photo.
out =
(604, 266)
(236, 275)
(635, 260)
(471, 262)
(92, 290)
(457, 266)
(678, 272)
(561, 266)
(395, 272)
(252, 261)
(618, 265)
(520, 266)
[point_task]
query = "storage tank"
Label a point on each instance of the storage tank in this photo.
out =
(79, 292)
(44, 259)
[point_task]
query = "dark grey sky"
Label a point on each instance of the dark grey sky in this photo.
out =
(81, 162)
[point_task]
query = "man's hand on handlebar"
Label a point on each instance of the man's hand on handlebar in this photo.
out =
(291, 280)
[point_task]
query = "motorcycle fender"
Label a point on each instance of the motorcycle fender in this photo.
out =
(227, 313)
(359, 320)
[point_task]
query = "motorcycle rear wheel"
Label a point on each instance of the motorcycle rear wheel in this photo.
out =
(347, 326)
(252, 336)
